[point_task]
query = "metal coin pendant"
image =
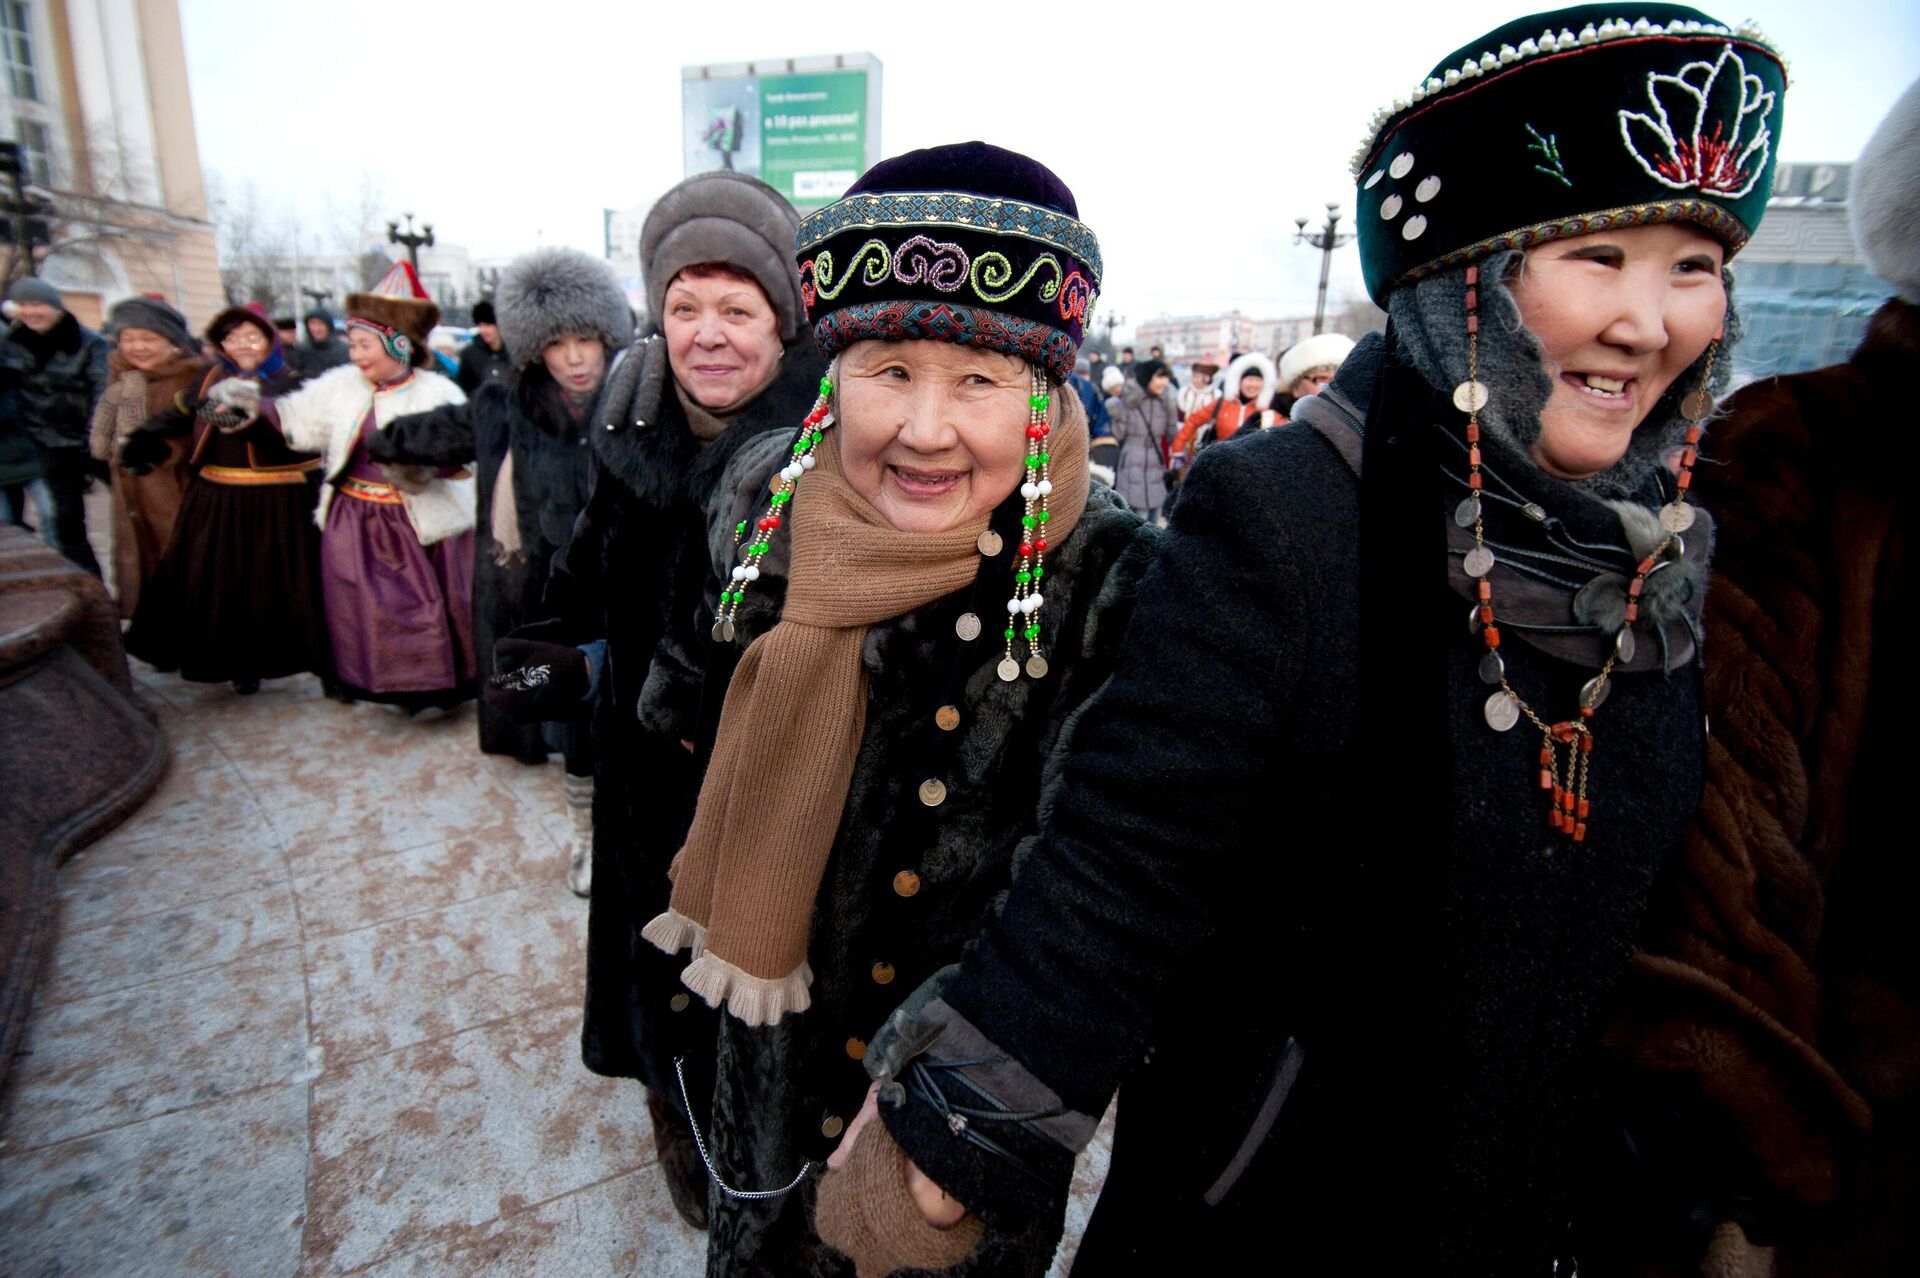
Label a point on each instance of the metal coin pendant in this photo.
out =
(1036, 667)
(1593, 693)
(1697, 406)
(1502, 711)
(933, 792)
(1470, 397)
(1479, 562)
(1467, 513)
(723, 631)
(1676, 517)
(968, 626)
(1473, 619)
(1492, 669)
(989, 543)
(1009, 670)
(1625, 645)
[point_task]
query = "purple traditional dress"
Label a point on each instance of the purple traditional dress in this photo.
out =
(400, 614)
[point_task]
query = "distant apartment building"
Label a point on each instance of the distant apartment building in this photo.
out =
(96, 98)
(623, 228)
(1801, 286)
(1186, 338)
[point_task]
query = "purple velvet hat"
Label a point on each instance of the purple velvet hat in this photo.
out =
(966, 243)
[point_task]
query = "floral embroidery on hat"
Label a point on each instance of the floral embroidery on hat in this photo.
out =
(1708, 130)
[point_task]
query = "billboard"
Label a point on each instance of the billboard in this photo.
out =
(806, 126)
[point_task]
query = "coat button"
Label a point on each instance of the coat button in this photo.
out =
(933, 792)
(883, 973)
(832, 1127)
(906, 883)
(856, 1049)
(948, 717)
(679, 1002)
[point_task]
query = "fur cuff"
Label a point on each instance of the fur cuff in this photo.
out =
(757, 1000)
(1102, 473)
(866, 1211)
(673, 931)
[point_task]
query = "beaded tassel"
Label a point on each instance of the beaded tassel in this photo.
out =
(1566, 748)
(1029, 562)
(812, 430)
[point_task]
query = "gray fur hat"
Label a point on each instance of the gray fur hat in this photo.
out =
(724, 217)
(551, 292)
(153, 315)
(1886, 191)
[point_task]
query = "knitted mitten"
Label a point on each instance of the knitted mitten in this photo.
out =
(866, 1211)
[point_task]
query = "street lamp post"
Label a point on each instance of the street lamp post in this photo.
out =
(1112, 320)
(1328, 238)
(318, 296)
(412, 241)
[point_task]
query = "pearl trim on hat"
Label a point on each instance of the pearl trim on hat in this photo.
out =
(1565, 41)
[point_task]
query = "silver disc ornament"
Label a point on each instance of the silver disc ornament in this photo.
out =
(1478, 562)
(1697, 406)
(1467, 513)
(1492, 669)
(1470, 397)
(723, 631)
(1676, 516)
(968, 626)
(1036, 667)
(1625, 645)
(1593, 693)
(1502, 711)
(1008, 670)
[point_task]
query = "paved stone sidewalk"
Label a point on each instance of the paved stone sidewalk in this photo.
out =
(314, 1010)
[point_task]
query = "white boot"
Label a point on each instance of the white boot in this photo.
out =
(579, 792)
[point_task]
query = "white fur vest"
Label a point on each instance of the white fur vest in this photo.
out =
(324, 417)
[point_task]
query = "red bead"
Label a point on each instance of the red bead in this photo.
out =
(1473, 481)
(1473, 323)
(1491, 635)
(1553, 816)
(1633, 612)
(1040, 545)
(1693, 435)
(1033, 432)
(1473, 298)
(1473, 432)
(1586, 712)
(1546, 779)
(1688, 458)
(1486, 614)
(1473, 275)
(1026, 548)
(1546, 756)
(1580, 832)
(1635, 586)
(1684, 480)
(1473, 455)
(1583, 809)
(1586, 744)
(1646, 566)
(1485, 589)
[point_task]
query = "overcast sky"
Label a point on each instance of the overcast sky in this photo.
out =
(1190, 147)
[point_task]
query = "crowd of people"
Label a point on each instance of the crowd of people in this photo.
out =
(957, 731)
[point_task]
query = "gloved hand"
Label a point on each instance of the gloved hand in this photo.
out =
(239, 393)
(538, 682)
(867, 1210)
(409, 479)
(143, 451)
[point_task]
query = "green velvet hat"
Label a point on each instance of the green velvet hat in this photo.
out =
(1567, 123)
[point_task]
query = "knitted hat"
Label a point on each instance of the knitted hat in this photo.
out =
(1145, 370)
(397, 311)
(31, 288)
(153, 315)
(1322, 350)
(483, 312)
(1112, 379)
(966, 243)
(551, 292)
(1567, 123)
(723, 217)
(1886, 190)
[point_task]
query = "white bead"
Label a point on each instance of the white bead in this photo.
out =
(1453, 78)
(1033, 603)
(1434, 85)
(1588, 35)
(1029, 490)
(753, 573)
(1046, 487)
(1568, 39)
(1641, 26)
(739, 572)
(1419, 93)
(1488, 62)
(1527, 49)
(1013, 605)
(790, 472)
(809, 462)
(1676, 26)
(1508, 55)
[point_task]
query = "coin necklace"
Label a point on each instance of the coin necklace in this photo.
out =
(1566, 748)
(812, 430)
(1029, 562)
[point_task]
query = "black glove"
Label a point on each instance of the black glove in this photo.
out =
(538, 682)
(142, 452)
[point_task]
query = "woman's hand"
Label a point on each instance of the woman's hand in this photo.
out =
(941, 1210)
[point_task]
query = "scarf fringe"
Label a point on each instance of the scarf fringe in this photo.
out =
(757, 1000)
(673, 931)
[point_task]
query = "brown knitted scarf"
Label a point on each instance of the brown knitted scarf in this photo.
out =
(744, 884)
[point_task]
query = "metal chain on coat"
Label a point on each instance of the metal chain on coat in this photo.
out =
(699, 1143)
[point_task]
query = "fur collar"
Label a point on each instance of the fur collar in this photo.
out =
(643, 439)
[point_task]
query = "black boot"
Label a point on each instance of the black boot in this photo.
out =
(680, 1159)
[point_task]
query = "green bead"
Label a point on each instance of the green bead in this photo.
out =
(1023, 577)
(818, 435)
(826, 386)
(1033, 633)
(739, 528)
(1045, 516)
(1033, 463)
(1009, 633)
(1038, 573)
(1026, 521)
(1045, 458)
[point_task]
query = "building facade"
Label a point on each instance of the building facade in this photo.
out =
(96, 97)
(1186, 338)
(1801, 285)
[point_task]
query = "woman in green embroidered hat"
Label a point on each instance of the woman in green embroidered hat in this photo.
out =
(912, 597)
(1423, 685)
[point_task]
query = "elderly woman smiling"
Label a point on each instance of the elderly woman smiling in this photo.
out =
(929, 593)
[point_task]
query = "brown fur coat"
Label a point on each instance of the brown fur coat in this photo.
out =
(1778, 989)
(144, 506)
